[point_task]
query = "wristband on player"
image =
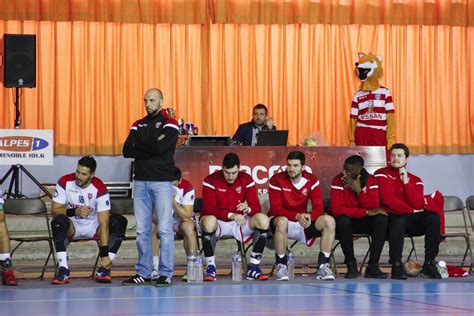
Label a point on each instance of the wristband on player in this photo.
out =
(71, 212)
(103, 251)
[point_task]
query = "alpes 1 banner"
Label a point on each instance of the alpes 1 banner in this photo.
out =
(26, 147)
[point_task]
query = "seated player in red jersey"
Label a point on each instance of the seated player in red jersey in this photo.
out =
(230, 207)
(290, 191)
(356, 207)
(401, 196)
(81, 209)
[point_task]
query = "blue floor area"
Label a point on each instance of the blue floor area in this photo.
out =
(304, 296)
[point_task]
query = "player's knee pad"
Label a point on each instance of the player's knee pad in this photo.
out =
(117, 225)
(59, 227)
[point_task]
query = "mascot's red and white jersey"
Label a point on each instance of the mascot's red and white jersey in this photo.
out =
(370, 108)
(95, 195)
(184, 193)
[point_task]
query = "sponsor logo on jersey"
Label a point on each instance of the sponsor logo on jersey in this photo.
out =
(305, 191)
(22, 143)
(371, 116)
(238, 189)
(89, 195)
(158, 124)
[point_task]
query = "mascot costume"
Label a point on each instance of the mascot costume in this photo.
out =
(372, 121)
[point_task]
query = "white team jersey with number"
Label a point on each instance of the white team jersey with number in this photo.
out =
(184, 195)
(95, 196)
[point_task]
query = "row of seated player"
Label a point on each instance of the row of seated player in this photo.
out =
(387, 206)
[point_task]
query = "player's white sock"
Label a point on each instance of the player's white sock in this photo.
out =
(62, 259)
(112, 256)
(156, 262)
(211, 260)
(4, 256)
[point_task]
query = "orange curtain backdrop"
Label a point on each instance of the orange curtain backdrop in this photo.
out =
(305, 74)
(91, 77)
(342, 12)
(125, 11)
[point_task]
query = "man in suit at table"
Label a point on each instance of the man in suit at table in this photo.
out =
(247, 133)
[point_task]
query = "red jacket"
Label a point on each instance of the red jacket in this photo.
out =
(286, 200)
(396, 197)
(344, 201)
(220, 198)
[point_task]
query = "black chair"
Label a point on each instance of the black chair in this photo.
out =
(31, 207)
(453, 205)
(470, 207)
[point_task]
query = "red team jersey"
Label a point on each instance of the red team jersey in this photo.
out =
(344, 201)
(95, 195)
(220, 198)
(396, 197)
(288, 200)
(370, 108)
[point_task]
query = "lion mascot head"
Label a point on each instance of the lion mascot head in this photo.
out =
(369, 70)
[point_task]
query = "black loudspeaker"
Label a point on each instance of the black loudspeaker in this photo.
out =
(19, 69)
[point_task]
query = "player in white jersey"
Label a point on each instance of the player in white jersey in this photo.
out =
(81, 209)
(8, 278)
(183, 219)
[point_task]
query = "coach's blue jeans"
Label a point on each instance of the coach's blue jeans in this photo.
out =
(158, 195)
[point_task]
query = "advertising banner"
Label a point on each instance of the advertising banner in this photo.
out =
(26, 147)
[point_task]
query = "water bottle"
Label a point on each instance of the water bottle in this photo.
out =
(291, 265)
(237, 267)
(442, 269)
(191, 269)
(199, 272)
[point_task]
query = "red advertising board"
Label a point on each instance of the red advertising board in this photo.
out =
(263, 162)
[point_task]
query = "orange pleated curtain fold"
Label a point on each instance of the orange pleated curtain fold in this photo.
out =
(91, 76)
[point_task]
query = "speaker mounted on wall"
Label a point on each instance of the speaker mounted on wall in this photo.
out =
(19, 69)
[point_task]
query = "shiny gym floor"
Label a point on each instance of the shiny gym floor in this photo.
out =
(303, 296)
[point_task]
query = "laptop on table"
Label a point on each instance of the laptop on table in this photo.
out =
(272, 138)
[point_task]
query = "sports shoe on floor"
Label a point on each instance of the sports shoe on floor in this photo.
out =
(184, 278)
(154, 275)
(398, 271)
(8, 278)
(254, 273)
(325, 273)
(62, 276)
(429, 270)
(103, 275)
(137, 280)
(352, 272)
(210, 273)
(164, 280)
(282, 272)
(373, 271)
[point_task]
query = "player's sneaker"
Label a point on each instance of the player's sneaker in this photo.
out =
(154, 275)
(164, 280)
(62, 276)
(282, 272)
(254, 273)
(210, 273)
(429, 270)
(324, 273)
(103, 275)
(184, 278)
(8, 278)
(137, 280)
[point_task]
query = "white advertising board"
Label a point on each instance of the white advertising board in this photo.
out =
(26, 147)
